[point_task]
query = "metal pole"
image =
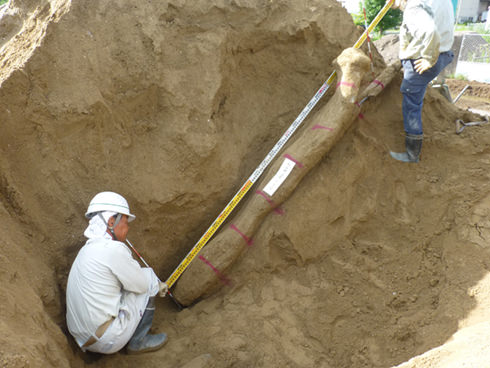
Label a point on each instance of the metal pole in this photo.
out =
(147, 265)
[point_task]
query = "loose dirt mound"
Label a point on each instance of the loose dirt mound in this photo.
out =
(476, 96)
(173, 104)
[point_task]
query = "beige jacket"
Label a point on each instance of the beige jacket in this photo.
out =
(427, 29)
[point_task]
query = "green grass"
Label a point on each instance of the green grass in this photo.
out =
(3, 1)
(375, 35)
(456, 76)
(473, 27)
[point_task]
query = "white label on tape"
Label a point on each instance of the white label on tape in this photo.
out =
(281, 175)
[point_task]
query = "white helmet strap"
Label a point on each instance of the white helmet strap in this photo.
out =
(111, 228)
(118, 218)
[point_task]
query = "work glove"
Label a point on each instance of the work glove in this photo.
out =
(399, 4)
(162, 289)
(421, 65)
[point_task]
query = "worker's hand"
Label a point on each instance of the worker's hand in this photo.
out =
(399, 4)
(162, 289)
(421, 65)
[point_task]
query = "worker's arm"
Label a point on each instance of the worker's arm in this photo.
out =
(132, 276)
(424, 42)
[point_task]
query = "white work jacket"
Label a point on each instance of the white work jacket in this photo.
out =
(427, 29)
(101, 277)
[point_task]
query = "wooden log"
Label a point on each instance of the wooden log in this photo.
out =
(207, 271)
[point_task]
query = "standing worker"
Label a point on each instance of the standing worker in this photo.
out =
(109, 297)
(426, 38)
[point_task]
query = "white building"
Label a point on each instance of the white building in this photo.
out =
(472, 11)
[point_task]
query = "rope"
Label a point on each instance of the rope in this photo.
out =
(368, 38)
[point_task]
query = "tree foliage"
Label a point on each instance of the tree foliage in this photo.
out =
(3, 2)
(393, 17)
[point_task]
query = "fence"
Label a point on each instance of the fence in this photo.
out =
(474, 57)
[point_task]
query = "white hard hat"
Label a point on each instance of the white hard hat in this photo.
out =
(109, 201)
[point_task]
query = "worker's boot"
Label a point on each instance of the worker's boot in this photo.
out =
(141, 341)
(413, 145)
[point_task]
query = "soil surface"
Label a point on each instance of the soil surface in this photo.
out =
(174, 103)
(476, 96)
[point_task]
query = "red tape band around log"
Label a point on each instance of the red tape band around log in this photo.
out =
(321, 127)
(299, 164)
(352, 85)
(246, 238)
(277, 210)
(222, 277)
(379, 83)
(361, 116)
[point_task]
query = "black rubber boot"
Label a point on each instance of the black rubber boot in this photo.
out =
(141, 341)
(413, 145)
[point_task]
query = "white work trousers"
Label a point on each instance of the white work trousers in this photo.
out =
(123, 326)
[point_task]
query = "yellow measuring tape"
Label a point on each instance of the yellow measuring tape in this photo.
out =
(208, 234)
(268, 159)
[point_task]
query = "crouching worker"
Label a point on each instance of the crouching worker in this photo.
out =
(109, 297)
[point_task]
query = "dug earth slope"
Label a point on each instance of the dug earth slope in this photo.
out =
(173, 104)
